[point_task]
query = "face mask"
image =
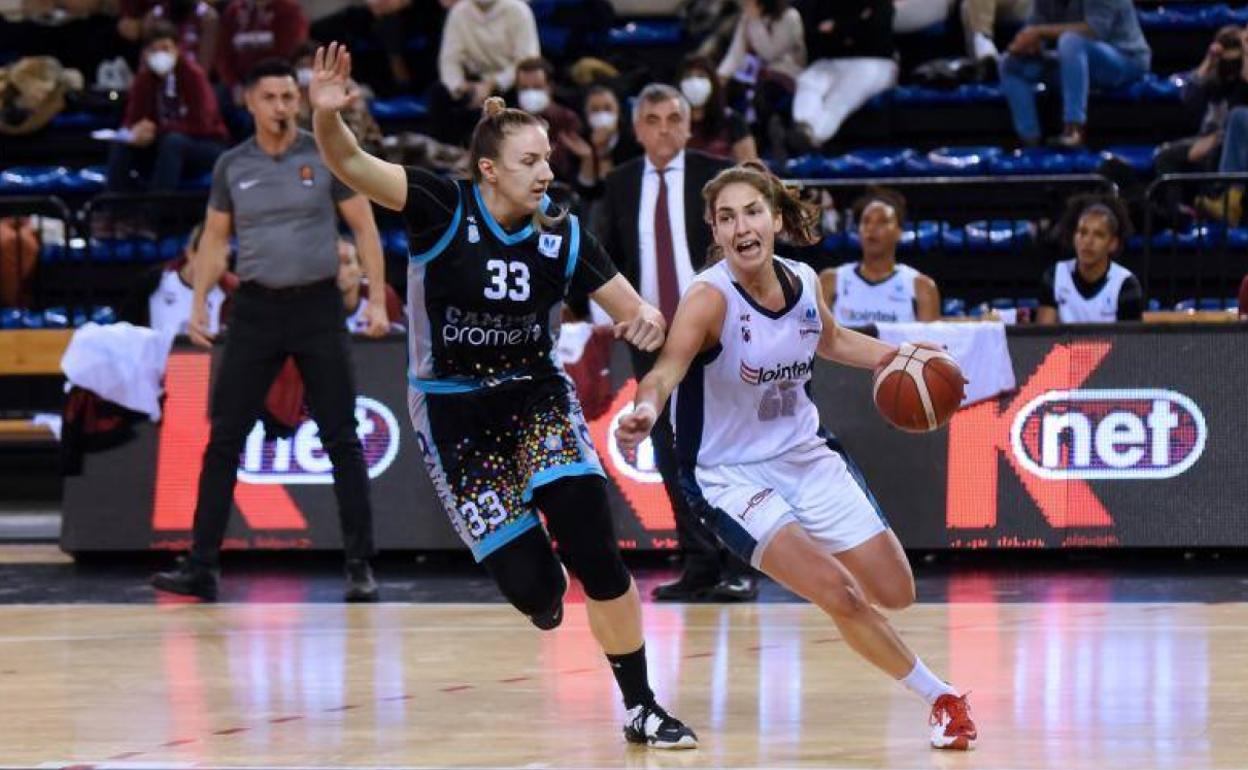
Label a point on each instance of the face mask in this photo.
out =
(161, 62)
(696, 89)
(603, 120)
(534, 100)
(304, 76)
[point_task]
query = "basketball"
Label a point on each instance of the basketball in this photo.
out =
(918, 389)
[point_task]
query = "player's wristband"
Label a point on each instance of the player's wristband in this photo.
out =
(648, 407)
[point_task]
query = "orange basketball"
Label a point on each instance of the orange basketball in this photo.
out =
(918, 389)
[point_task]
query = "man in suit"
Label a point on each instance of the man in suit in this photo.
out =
(651, 223)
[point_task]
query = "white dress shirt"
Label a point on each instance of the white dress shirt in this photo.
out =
(675, 177)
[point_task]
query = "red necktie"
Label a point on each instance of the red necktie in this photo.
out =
(664, 254)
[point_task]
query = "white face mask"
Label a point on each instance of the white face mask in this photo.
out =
(603, 120)
(696, 89)
(161, 62)
(484, 5)
(533, 100)
(304, 76)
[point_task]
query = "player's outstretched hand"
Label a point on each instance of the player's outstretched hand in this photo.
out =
(645, 331)
(331, 87)
(633, 427)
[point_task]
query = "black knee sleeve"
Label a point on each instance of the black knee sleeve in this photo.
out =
(528, 573)
(580, 522)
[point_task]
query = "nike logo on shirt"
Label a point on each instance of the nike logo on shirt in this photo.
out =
(247, 185)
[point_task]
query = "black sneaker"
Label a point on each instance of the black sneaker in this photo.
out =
(551, 618)
(649, 725)
(189, 579)
(742, 588)
(360, 584)
(684, 589)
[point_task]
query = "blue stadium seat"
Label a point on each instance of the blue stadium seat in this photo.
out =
(56, 318)
(10, 318)
(961, 161)
(554, 39)
(1138, 156)
(1150, 88)
(647, 33)
(33, 180)
(82, 120)
(952, 306)
(1154, 305)
(400, 108)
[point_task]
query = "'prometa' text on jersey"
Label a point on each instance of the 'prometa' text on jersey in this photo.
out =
(489, 329)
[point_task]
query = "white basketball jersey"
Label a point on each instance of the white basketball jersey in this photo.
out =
(169, 307)
(860, 302)
(1074, 308)
(746, 399)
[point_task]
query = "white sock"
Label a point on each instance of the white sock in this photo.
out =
(984, 47)
(925, 684)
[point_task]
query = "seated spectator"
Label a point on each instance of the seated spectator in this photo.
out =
(978, 19)
(353, 285)
(255, 30)
(357, 117)
(852, 58)
(877, 289)
(1092, 288)
(716, 128)
(482, 42)
(162, 298)
(176, 131)
(1212, 90)
(1094, 43)
(607, 143)
(768, 51)
(535, 95)
(197, 23)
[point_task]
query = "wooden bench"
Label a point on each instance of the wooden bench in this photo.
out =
(30, 353)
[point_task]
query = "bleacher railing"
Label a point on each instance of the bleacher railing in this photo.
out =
(1194, 265)
(983, 239)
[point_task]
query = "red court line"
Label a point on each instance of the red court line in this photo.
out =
(124, 756)
(397, 697)
(577, 671)
(340, 708)
(699, 655)
(513, 679)
(457, 688)
(178, 742)
(231, 731)
(826, 640)
(282, 720)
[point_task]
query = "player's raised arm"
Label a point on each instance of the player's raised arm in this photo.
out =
(330, 92)
(695, 328)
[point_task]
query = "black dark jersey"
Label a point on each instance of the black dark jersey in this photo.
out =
(484, 303)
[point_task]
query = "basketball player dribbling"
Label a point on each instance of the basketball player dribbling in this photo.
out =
(754, 461)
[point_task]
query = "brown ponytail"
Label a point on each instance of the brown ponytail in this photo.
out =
(498, 120)
(799, 219)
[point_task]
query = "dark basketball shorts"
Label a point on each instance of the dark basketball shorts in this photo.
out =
(487, 450)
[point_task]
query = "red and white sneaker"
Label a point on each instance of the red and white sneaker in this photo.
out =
(952, 727)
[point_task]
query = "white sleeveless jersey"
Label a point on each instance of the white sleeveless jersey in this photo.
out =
(169, 307)
(1074, 308)
(860, 302)
(746, 399)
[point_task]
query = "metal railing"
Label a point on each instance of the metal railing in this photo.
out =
(1200, 259)
(981, 238)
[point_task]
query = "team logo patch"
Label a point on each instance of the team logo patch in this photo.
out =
(307, 177)
(548, 245)
(474, 235)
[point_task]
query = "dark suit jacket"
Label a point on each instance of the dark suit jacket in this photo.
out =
(616, 226)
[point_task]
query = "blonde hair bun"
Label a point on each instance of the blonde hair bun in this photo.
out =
(493, 106)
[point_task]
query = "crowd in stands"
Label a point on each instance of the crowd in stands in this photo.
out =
(779, 81)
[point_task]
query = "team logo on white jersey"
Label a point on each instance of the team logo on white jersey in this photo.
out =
(798, 370)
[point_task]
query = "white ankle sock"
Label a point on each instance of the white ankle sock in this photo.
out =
(925, 684)
(983, 47)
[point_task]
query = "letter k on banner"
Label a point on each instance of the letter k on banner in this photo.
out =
(183, 437)
(979, 433)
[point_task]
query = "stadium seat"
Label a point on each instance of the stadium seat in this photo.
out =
(400, 108)
(647, 33)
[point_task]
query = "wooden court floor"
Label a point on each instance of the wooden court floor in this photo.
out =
(1061, 685)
